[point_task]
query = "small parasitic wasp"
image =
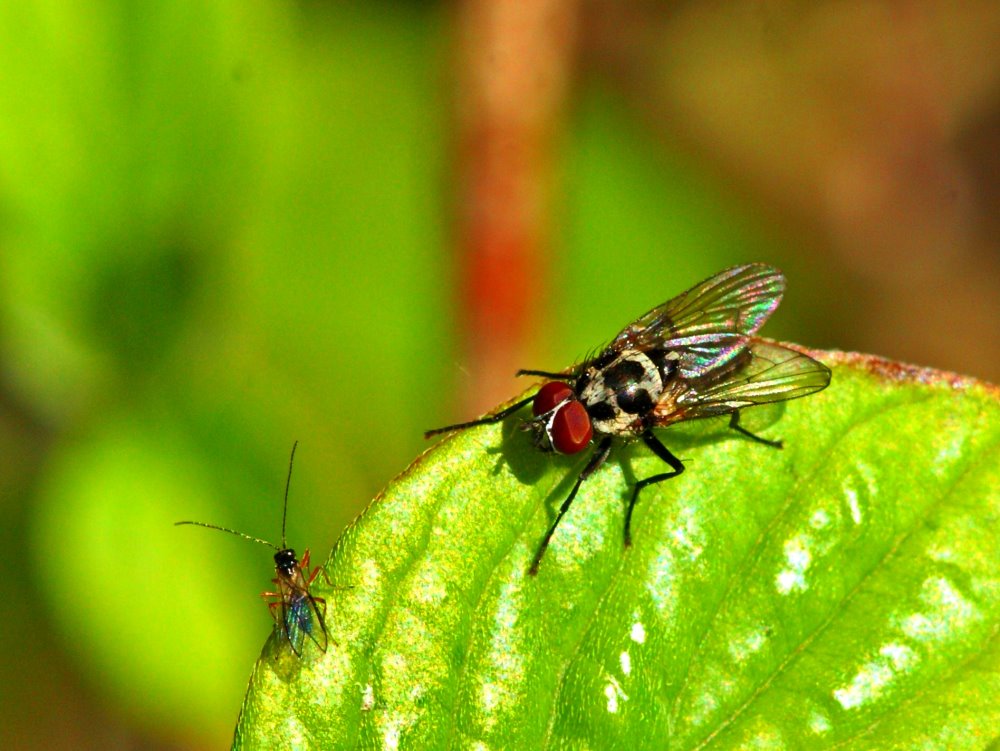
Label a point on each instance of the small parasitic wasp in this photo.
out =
(298, 606)
(693, 356)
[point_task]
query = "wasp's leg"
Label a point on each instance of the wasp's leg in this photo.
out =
(316, 572)
(734, 423)
(663, 453)
(599, 457)
(326, 576)
(271, 606)
(489, 419)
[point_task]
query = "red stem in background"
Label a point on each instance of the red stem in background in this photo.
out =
(514, 61)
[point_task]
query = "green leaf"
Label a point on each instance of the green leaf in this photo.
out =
(841, 593)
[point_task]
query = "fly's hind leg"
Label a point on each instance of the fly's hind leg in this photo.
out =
(734, 423)
(544, 374)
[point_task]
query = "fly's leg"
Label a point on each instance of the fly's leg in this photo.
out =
(488, 420)
(599, 457)
(544, 374)
(663, 453)
(734, 423)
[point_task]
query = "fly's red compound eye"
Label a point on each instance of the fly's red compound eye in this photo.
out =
(570, 430)
(549, 396)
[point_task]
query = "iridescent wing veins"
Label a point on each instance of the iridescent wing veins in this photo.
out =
(301, 617)
(712, 322)
(772, 373)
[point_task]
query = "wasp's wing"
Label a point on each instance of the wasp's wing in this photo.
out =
(303, 618)
(772, 373)
(285, 622)
(317, 631)
(301, 614)
(712, 322)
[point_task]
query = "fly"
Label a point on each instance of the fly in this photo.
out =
(692, 357)
(300, 613)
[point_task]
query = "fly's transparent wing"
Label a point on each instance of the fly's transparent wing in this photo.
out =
(712, 322)
(772, 373)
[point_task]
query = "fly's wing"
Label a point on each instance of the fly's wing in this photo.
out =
(772, 373)
(712, 322)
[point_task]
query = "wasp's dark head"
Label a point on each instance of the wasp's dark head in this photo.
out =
(286, 561)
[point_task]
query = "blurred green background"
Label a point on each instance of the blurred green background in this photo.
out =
(228, 225)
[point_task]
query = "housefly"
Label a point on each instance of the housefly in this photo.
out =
(693, 356)
(296, 612)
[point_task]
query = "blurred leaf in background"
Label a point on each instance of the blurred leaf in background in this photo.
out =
(218, 238)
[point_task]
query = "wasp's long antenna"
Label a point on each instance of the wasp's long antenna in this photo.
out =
(232, 532)
(288, 482)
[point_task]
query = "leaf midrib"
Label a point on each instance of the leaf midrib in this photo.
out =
(847, 599)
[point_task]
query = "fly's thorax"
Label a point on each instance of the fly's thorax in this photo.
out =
(618, 394)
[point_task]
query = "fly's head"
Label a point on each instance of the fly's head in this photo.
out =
(560, 423)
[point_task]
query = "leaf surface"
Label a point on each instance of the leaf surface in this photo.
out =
(841, 593)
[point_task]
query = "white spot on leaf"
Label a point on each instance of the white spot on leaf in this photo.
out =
(613, 692)
(819, 723)
(948, 612)
(638, 633)
(819, 520)
(876, 675)
(853, 506)
(797, 557)
(749, 644)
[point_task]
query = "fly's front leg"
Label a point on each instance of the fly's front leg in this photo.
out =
(663, 453)
(545, 374)
(734, 423)
(599, 457)
(488, 420)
